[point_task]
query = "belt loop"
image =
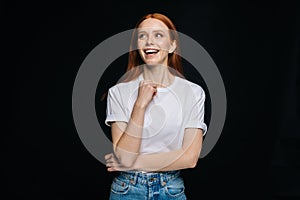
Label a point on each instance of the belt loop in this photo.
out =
(133, 178)
(162, 179)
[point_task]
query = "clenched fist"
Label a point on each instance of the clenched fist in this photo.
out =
(147, 90)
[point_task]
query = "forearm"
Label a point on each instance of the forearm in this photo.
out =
(173, 160)
(185, 157)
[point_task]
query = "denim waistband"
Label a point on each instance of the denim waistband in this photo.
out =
(147, 178)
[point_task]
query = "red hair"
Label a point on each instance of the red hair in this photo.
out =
(134, 60)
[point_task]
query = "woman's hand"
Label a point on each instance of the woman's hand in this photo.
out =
(113, 164)
(147, 90)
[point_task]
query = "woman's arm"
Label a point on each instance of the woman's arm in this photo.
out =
(127, 136)
(185, 157)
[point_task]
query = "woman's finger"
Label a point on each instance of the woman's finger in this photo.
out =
(111, 169)
(108, 156)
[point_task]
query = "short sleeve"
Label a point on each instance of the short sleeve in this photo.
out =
(115, 109)
(196, 115)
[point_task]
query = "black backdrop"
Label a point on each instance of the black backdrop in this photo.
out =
(254, 44)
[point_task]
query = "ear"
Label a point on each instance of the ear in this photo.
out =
(172, 47)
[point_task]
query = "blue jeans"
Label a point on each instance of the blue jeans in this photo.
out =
(132, 185)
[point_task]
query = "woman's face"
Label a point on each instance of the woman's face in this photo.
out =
(154, 42)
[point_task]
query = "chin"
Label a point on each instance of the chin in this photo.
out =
(153, 62)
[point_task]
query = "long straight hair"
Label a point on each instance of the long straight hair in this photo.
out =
(135, 60)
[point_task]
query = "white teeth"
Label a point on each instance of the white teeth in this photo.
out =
(151, 51)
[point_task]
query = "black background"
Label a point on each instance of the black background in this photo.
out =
(254, 44)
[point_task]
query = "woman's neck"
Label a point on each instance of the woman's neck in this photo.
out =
(159, 74)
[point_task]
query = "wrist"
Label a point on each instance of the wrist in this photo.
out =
(139, 105)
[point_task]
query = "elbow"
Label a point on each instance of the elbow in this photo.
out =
(192, 161)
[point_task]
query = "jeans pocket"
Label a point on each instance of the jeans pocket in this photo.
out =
(175, 187)
(120, 186)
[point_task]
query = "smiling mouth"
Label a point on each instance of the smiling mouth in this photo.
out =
(151, 51)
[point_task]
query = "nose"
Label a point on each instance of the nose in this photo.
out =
(149, 40)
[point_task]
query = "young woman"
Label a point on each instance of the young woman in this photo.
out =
(156, 117)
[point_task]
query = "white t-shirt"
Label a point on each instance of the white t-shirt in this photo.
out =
(174, 108)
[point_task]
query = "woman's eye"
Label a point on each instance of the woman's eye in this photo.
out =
(142, 36)
(158, 35)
